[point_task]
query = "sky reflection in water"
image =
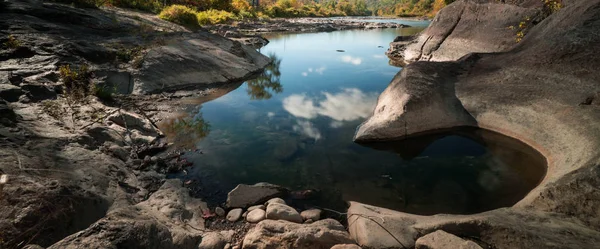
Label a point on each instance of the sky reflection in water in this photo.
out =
(298, 131)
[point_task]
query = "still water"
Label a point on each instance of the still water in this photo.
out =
(293, 126)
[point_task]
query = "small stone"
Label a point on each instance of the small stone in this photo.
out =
(309, 221)
(245, 214)
(216, 240)
(234, 215)
(440, 240)
(277, 211)
(236, 247)
(346, 246)
(256, 206)
(256, 215)
(311, 214)
(244, 196)
(275, 200)
(219, 211)
(227, 246)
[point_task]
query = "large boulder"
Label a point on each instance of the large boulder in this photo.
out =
(178, 64)
(322, 234)
(467, 26)
(541, 92)
(244, 196)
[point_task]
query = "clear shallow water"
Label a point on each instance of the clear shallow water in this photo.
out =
(293, 126)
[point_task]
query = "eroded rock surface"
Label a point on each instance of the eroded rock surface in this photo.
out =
(440, 240)
(468, 26)
(322, 234)
(539, 92)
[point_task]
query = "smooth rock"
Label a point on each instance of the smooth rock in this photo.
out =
(441, 240)
(244, 196)
(256, 207)
(216, 240)
(220, 211)
(322, 234)
(276, 211)
(234, 215)
(256, 215)
(346, 246)
(311, 214)
(275, 200)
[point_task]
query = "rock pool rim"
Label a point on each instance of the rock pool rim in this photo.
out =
(469, 132)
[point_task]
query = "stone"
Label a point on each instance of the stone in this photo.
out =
(256, 207)
(234, 215)
(308, 221)
(256, 215)
(346, 246)
(178, 65)
(220, 211)
(244, 196)
(458, 29)
(216, 240)
(277, 211)
(322, 234)
(275, 200)
(311, 214)
(441, 240)
(131, 121)
(10, 92)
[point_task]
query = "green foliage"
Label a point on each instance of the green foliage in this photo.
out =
(407, 7)
(267, 82)
(77, 82)
(552, 6)
(180, 14)
(214, 17)
(12, 42)
(146, 5)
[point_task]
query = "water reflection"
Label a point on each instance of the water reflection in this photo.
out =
(348, 105)
(185, 129)
(268, 82)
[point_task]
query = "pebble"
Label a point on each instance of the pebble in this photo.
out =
(234, 215)
(219, 211)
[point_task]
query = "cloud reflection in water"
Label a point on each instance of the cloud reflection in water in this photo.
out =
(348, 105)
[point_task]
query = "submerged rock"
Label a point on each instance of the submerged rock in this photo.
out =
(441, 240)
(283, 234)
(244, 196)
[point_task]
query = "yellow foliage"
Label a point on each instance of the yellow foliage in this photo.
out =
(241, 5)
(180, 14)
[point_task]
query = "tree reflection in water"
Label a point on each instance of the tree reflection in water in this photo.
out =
(268, 82)
(186, 129)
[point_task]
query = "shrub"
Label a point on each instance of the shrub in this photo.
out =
(180, 14)
(241, 6)
(77, 82)
(12, 42)
(214, 17)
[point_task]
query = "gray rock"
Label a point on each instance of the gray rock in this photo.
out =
(178, 65)
(10, 93)
(311, 214)
(256, 207)
(234, 215)
(275, 200)
(244, 196)
(256, 215)
(322, 234)
(458, 29)
(132, 121)
(276, 211)
(220, 211)
(309, 221)
(441, 240)
(32, 247)
(346, 246)
(216, 240)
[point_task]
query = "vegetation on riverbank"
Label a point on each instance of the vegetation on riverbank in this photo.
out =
(192, 13)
